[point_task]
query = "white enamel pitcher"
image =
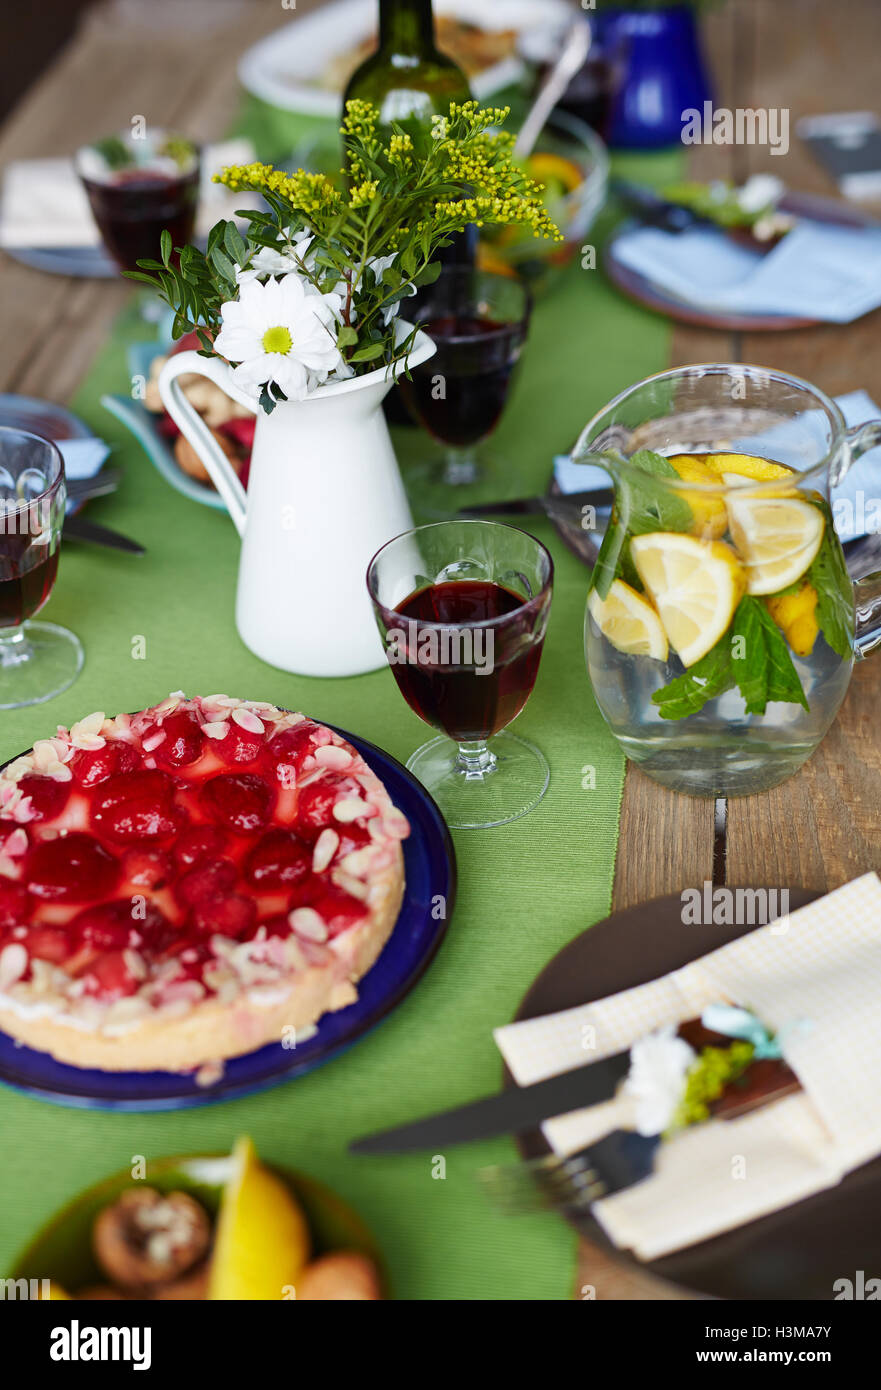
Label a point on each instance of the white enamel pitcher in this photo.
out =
(324, 493)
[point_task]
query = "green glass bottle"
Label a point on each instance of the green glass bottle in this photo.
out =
(407, 77)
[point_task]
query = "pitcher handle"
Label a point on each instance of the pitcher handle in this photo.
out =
(194, 429)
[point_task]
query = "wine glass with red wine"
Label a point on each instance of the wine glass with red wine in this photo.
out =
(462, 608)
(138, 187)
(37, 660)
(479, 322)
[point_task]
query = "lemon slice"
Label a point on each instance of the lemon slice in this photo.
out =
(628, 621)
(708, 510)
(746, 466)
(777, 538)
(796, 616)
(695, 585)
(262, 1242)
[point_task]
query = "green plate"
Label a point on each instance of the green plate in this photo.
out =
(62, 1249)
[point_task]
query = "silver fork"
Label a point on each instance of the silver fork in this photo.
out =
(572, 1182)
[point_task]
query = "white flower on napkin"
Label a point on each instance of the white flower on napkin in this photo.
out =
(284, 331)
(659, 1064)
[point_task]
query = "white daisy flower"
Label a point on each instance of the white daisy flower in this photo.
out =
(267, 261)
(282, 331)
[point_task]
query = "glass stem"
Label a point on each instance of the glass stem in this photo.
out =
(460, 467)
(475, 761)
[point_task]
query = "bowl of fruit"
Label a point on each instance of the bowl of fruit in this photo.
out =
(205, 1227)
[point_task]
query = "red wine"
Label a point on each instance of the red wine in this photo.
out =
(470, 681)
(135, 206)
(23, 593)
(460, 393)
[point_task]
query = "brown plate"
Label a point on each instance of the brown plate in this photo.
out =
(641, 289)
(797, 1253)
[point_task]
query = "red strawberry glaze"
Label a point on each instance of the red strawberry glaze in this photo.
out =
(174, 740)
(47, 797)
(158, 840)
(92, 766)
(239, 801)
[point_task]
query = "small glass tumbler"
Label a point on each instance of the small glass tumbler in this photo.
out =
(37, 660)
(462, 607)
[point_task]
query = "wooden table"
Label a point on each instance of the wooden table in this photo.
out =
(808, 56)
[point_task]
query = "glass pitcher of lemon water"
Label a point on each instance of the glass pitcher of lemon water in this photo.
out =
(720, 630)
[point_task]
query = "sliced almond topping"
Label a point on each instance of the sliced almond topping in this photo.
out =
(13, 964)
(351, 885)
(86, 733)
(326, 847)
(395, 824)
(351, 808)
(218, 728)
(135, 964)
(331, 755)
(17, 770)
(153, 742)
(59, 772)
(307, 923)
(246, 719)
(357, 862)
(16, 843)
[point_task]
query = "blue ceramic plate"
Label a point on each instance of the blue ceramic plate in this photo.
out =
(430, 866)
(144, 426)
(84, 262)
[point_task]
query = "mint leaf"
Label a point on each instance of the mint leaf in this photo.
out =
(760, 659)
(642, 506)
(707, 678)
(830, 578)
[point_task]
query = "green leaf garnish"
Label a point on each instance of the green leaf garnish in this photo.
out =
(702, 682)
(829, 576)
(760, 659)
(642, 506)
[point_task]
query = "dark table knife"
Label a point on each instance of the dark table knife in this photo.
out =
(565, 504)
(510, 1112)
(77, 528)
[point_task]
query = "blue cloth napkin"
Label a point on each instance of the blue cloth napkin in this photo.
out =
(82, 457)
(818, 270)
(856, 502)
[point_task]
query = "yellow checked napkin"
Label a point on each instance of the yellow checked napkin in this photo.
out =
(43, 203)
(821, 964)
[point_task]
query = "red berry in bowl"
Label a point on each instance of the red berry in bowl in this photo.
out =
(317, 800)
(136, 806)
(49, 943)
(240, 801)
(288, 750)
(15, 905)
(182, 742)
(91, 766)
(146, 868)
(71, 868)
(229, 916)
(280, 859)
(206, 882)
(201, 843)
(104, 927)
(48, 797)
(238, 745)
(109, 977)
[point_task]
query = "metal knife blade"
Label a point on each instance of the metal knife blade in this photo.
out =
(550, 504)
(509, 1112)
(77, 528)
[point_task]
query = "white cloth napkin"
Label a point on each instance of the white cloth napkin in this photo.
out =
(821, 964)
(818, 270)
(43, 203)
(856, 501)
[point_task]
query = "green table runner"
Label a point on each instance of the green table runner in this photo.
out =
(165, 622)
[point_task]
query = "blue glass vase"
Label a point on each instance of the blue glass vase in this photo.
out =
(663, 72)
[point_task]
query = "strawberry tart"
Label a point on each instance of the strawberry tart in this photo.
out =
(189, 883)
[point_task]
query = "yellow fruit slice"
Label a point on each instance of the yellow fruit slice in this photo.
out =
(628, 621)
(710, 515)
(695, 585)
(262, 1243)
(544, 166)
(747, 466)
(776, 537)
(796, 616)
